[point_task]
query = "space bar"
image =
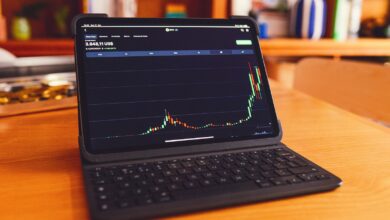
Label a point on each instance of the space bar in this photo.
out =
(215, 190)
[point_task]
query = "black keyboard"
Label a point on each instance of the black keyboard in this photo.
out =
(126, 186)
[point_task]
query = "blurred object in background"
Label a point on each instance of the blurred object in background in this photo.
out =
(315, 19)
(27, 66)
(308, 19)
(373, 27)
(114, 8)
(354, 19)
(37, 88)
(3, 25)
(341, 18)
(272, 16)
(21, 29)
(61, 16)
(6, 57)
(44, 18)
(20, 95)
(241, 7)
(175, 10)
(31, 84)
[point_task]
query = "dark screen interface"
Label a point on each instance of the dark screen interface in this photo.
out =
(150, 87)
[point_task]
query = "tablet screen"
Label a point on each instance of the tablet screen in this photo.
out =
(149, 85)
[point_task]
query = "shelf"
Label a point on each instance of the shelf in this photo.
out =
(270, 47)
(40, 47)
(325, 47)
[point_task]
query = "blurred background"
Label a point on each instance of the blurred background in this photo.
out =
(349, 38)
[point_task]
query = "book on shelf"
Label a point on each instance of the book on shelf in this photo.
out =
(113, 8)
(175, 10)
(346, 19)
(241, 7)
(277, 23)
(354, 18)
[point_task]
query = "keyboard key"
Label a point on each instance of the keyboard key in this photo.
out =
(119, 178)
(169, 172)
(278, 181)
(104, 206)
(212, 167)
(263, 183)
(282, 172)
(125, 185)
(174, 166)
(292, 164)
(238, 178)
(100, 189)
(222, 180)
(123, 204)
(146, 200)
(122, 194)
(190, 184)
(294, 180)
(163, 199)
(174, 186)
(100, 181)
(97, 174)
(152, 175)
(110, 172)
(177, 179)
(138, 191)
(144, 183)
(253, 176)
(161, 194)
(307, 169)
(184, 171)
(280, 165)
(193, 177)
(307, 177)
(251, 169)
(214, 190)
(103, 197)
(201, 162)
(322, 176)
(160, 181)
(199, 169)
(266, 167)
(299, 162)
(207, 182)
(237, 171)
(268, 174)
(188, 164)
(135, 177)
(156, 189)
(208, 175)
(223, 173)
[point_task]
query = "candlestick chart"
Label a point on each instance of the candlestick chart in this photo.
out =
(254, 81)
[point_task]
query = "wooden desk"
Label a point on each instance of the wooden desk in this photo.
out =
(40, 170)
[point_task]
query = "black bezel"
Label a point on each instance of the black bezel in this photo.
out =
(207, 145)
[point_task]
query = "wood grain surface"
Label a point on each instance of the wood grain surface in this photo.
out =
(40, 172)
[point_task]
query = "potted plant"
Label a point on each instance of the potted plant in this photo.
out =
(21, 29)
